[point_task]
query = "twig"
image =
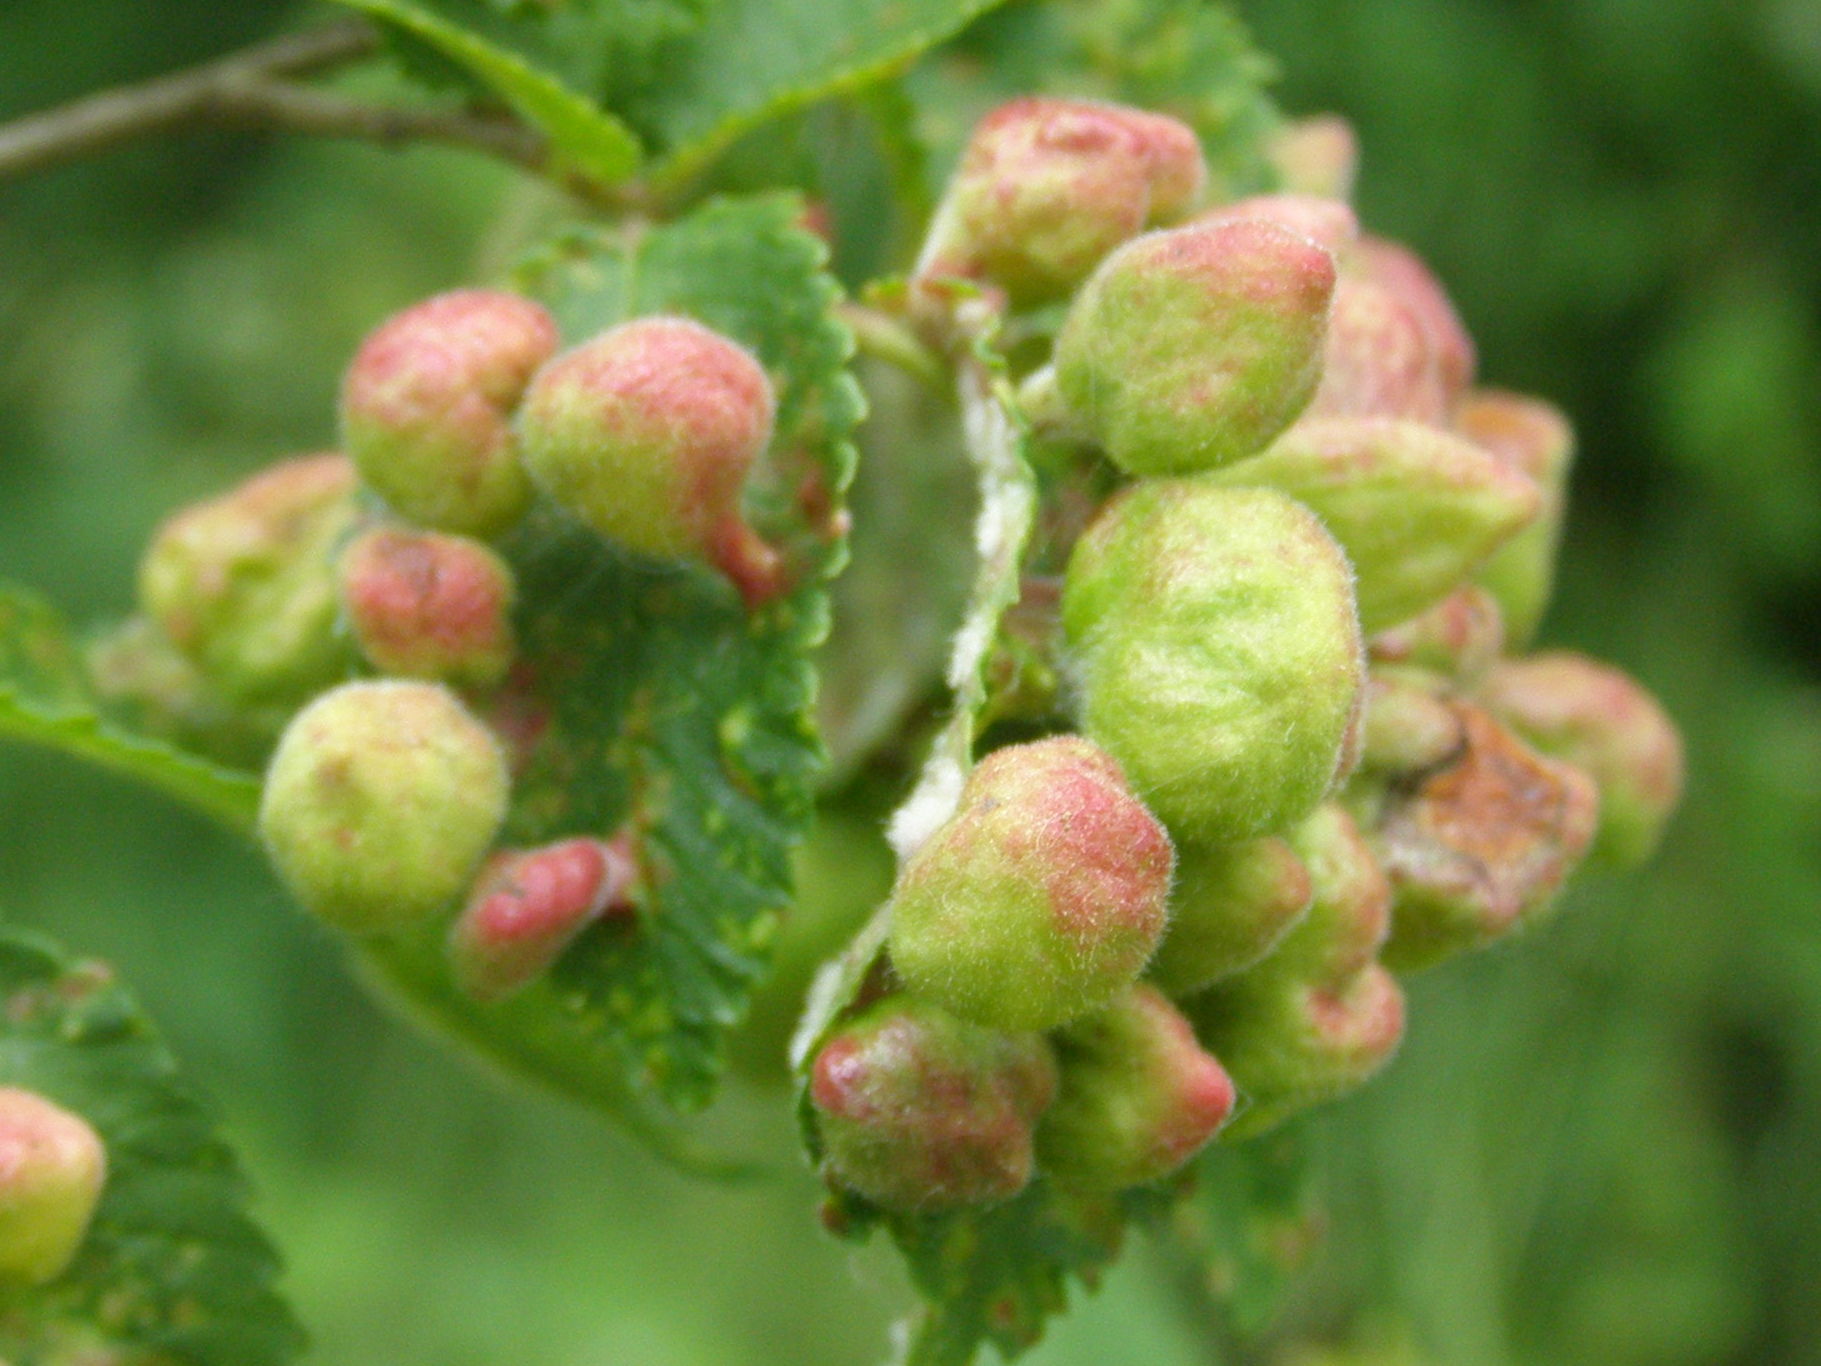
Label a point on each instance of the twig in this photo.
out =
(298, 109)
(250, 89)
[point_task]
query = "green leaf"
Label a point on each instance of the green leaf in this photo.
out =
(171, 1269)
(585, 138)
(650, 699)
(997, 1275)
(757, 59)
(45, 699)
(1255, 1217)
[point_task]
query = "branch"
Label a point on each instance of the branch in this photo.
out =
(298, 109)
(249, 89)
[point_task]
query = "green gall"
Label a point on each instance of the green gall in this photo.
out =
(1481, 845)
(1138, 1097)
(1289, 1044)
(647, 434)
(919, 1111)
(1218, 653)
(426, 605)
(1047, 187)
(380, 801)
(1533, 438)
(527, 906)
(1415, 508)
(1329, 223)
(1192, 348)
(1596, 718)
(1231, 905)
(52, 1169)
(156, 689)
(1041, 898)
(244, 584)
(1458, 639)
(1378, 361)
(1396, 268)
(1409, 727)
(1316, 156)
(1349, 911)
(427, 402)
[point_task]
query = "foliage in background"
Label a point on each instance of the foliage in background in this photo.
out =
(1601, 1149)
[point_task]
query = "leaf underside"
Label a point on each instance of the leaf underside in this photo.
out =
(171, 1267)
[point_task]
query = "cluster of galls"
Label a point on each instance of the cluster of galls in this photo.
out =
(1305, 757)
(390, 621)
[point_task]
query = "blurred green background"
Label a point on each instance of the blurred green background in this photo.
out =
(1602, 1146)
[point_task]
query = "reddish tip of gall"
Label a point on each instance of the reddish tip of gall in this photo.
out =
(1251, 258)
(835, 1080)
(529, 906)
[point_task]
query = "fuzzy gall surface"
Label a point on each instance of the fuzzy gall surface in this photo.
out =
(527, 906)
(1401, 271)
(1231, 905)
(1316, 156)
(52, 1169)
(647, 433)
(1598, 719)
(1191, 348)
(1289, 1045)
(1530, 436)
(1041, 898)
(1330, 223)
(1415, 508)
(1458, 639)
(427, 605)
(1218, 653)
(1379, 360)
(1409, 727)
(1481, 845)
(1139, 1096)
(380, 801)
(426, 407)
(242, 584)
(1047, 187)
(920, 1111)
(1349, 911)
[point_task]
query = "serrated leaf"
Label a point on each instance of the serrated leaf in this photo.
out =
(757, 59)
(171, 1269)
(583, 136)
(45, 699)
(998, 1275)
(1255, 1217)
(650, 698)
